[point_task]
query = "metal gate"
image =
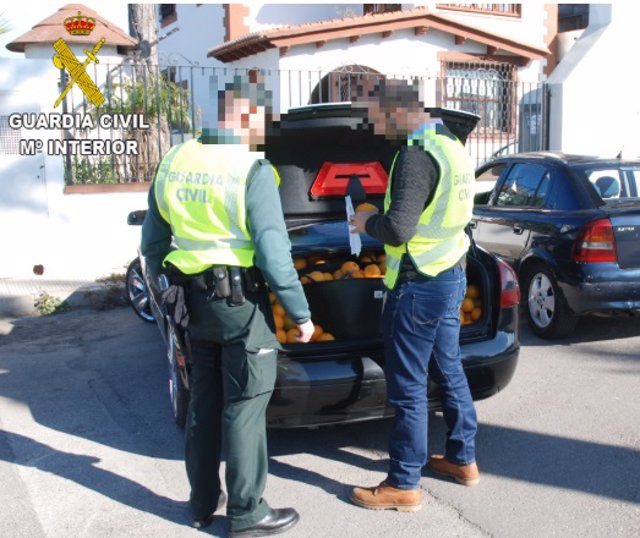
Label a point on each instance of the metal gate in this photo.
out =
(177, 101)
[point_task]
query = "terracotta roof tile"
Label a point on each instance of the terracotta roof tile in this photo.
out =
(52, 28)
(419, 17)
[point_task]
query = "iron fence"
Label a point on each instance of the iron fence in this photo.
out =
(174, 104)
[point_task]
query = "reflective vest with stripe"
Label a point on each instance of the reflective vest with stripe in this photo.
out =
(440, 240)
(200, 191)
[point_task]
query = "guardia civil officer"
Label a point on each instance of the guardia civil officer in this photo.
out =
(217, 200)
(427, 205)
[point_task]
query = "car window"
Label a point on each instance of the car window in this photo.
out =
(521, 186)
(612, 184)
(540, 195)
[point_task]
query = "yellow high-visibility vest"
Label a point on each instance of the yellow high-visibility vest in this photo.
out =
(200, 191)
(440, 240)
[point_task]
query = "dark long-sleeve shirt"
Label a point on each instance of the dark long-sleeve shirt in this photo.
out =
(268, 231)
(413, 183)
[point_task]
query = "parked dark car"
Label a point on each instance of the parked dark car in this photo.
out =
(321, 153)
(570, 227)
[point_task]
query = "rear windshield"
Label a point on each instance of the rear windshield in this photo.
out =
(613, 184)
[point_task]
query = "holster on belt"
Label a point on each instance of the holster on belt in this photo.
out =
(221, 286)
(237, 293)
(223, 282)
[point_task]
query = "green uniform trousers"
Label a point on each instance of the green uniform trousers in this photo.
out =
(234, 354)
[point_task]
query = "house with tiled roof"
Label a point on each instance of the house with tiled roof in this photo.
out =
(478, 59)
(530, 70)
(36, 43)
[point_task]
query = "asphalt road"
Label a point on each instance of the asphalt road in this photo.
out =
(88, 446)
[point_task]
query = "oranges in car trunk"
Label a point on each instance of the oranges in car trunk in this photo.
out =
(349, 267)
(365, 206)
(372, 271)
(325, 269)
(471, 307)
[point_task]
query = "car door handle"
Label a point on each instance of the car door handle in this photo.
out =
(518, 230)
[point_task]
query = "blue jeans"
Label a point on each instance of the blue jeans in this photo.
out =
(421, 327)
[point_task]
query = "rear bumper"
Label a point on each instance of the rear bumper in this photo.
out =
(604, 288)
(351, 389)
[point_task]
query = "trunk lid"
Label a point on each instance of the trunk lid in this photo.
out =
(625, 219)
(323, 152)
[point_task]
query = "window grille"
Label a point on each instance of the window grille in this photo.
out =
(9, 138)
(484, 88)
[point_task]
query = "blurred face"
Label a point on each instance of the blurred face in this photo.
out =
(244, 119)
(395, 121)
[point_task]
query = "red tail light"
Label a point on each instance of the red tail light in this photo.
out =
(333, 178)
(596, 243)
(509, 288)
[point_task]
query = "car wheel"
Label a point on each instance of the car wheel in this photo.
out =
(178, 392)
(137, 291)
(547, 309)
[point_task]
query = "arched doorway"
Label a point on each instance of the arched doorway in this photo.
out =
(349, 83)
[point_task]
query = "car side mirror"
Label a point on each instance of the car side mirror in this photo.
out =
(482, 198)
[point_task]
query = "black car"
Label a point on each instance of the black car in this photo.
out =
(570, 227)
(322, 153)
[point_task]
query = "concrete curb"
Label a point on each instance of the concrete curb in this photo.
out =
(18, 296)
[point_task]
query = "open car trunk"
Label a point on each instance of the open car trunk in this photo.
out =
(350, 307)
(323, 153)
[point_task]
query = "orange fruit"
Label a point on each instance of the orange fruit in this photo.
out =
(337, 275)
(272, 297)
(382, 258)
(461, 317)
(473, 292)
(357, 274)
(317, 332)
(288, 323)
(291, 335)
(325, 337)
(327, 276)
(383, 268)
(281, 336)
(372, 271)
(279, 321)
(316, 276)
(304, 279)
(314, 259)
(299, 263)
(278, 310)
(476, 314)
(467, 305)
(349, 267)
(366, 206)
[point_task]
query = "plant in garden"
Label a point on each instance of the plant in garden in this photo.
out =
(47, 304)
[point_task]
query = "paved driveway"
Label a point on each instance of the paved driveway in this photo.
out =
(88, 448)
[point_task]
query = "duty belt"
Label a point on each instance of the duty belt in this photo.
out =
(221, 282)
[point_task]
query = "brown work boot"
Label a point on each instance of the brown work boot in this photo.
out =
(467, 475)
(386, 497)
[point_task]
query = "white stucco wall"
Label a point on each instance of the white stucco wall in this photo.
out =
(594, 91)
(70, 234)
